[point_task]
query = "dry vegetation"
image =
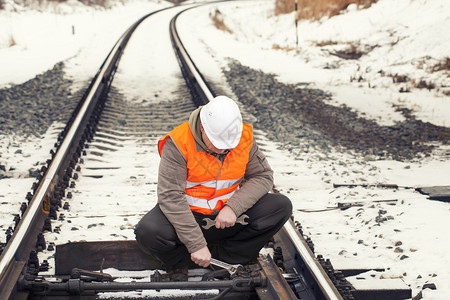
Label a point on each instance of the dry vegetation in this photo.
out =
(285, 48)
(316, 9)
(444, 65)
(217, 19)
(101, 3)
(12, 41)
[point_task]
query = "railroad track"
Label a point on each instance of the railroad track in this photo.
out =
(91, 163)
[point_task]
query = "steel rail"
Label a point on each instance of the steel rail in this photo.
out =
(52, 172)
(299, 258)
(328, 290)
(17, 250)
(14, 256)
(198, 86)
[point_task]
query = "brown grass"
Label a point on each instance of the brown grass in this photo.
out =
(422, 84)
(12, 41)
(444, 65)
(217, 19)
(316, 9)
(324, 43)
(278, 47)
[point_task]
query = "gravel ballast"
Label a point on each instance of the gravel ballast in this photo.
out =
(30, 108)
(301, 119)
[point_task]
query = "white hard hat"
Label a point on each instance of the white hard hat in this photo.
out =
(222, 122)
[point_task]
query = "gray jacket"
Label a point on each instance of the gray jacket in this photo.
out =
(258, 180)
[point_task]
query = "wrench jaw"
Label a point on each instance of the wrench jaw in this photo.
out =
(232, 269)
(239, 220)
(231, 272)
(209, 223)
(238, 272)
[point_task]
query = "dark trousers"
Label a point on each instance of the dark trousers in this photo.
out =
(236, 245)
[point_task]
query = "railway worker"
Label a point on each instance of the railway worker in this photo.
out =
(211, 167)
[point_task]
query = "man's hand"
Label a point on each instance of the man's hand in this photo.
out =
(225, 218)
(201, 257)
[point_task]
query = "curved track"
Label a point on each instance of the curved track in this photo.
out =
(93, 152)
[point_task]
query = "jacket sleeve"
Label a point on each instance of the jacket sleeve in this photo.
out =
(171, 197)
(258, 182)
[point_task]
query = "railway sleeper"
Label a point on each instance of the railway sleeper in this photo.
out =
(76, 262)
(269, 284)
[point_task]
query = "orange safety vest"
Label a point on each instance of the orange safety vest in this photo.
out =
(209, 183)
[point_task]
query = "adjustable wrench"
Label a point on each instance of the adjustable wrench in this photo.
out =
(232, 269)
(210, 223)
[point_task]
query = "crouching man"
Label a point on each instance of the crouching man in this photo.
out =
(211, 167)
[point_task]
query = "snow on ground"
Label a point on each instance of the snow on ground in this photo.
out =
(407, 37)
(22, 155)
(139, 73)
(407, 236)
(79, 35)
(401, 37)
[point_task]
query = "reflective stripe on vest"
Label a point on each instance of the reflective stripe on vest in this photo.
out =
(209, 183)
(209, 204)
(221, 184)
